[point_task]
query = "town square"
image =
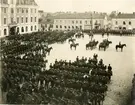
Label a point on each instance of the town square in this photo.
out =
(59, 53)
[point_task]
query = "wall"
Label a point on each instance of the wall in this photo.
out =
(120, 23)
(85, 23)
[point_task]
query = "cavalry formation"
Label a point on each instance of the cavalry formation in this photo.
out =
(92, 43)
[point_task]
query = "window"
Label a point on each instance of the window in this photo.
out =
(18, 29)
(35, 10)
(31, 28)
(17, 19)
(35, 28)
(5, 20)
(26, 20)
(26, 10)
(35, 19)
(76, 27)
(80, 22)
(65, 26)
(31, 19)
(22, 10)
(68, 26)
(26, 28)
(56, 26)
(73, 27)
(22, 29)
(116, 22)
(124, 23)
(76, 22)
(80, 27)
(60, 26)
(17, 10)
(91, 22)
(5, 31)
(12, 20)
(12, 10)
(129, 23)
(72, 22)
(85, 22)
(5, 10)
(22, 19)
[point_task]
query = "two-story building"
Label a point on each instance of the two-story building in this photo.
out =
(19, 16)
(83, 21)
(124, 21)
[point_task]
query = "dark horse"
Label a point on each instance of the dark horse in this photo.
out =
(91, 45)
(74, 45)
(78, 35)
(120, 46)
(48, 50)
(102, 45)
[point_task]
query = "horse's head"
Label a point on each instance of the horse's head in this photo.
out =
(51, 48)
(110, 42)
(125, 45)
(77, 44)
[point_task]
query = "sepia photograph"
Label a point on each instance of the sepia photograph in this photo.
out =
(67, 52)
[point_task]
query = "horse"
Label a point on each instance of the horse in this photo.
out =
(91, 44)
(71, 40)
(102, 45)
(107, 42)
(78, 35)
(74, 45)
(48, 50)
(120, 46)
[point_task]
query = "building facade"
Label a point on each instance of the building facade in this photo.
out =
(82, 21)
(19, 16)
(123, 21)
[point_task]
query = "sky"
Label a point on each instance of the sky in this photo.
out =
(124, 6)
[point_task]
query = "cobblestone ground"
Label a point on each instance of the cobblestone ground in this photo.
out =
(123, 64)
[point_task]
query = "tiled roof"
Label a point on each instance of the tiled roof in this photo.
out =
(79, 16)
(26, 2)
(125, 16)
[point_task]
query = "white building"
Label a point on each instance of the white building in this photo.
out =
(19, 16)
(123, 21)
(83, 21)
